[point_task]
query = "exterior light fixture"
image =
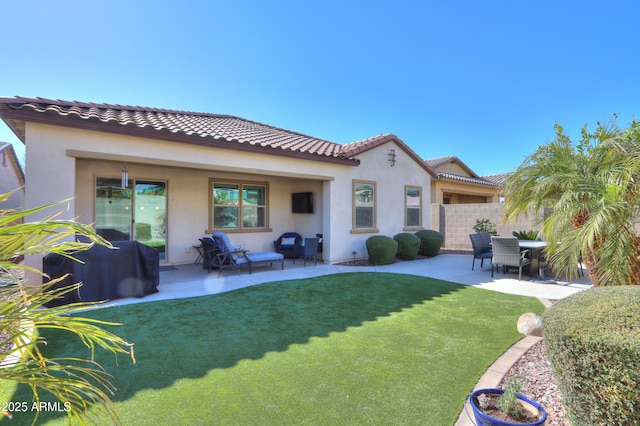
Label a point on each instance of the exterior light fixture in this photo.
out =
(392, 157)
(125, 177)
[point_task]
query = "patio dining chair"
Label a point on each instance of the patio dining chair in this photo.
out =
(507, 252)
(230, 257)
(481, 248)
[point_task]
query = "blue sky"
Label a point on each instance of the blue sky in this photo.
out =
(482, 80)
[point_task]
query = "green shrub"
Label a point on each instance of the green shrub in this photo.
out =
(143, 231)
(408, 245)
(593, 344)
(526, 235)
(431, 241)
(382, 250)
(485, 225)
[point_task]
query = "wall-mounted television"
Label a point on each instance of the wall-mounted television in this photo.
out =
(302, 202)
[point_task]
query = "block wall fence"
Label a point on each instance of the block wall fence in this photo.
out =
(456, 221)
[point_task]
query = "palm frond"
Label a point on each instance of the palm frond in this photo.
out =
(79, 382)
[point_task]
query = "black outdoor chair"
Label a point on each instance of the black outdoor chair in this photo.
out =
(481, 248)
(308, 251)
(210, 250)
(286, 244)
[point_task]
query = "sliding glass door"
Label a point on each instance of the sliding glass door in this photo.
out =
(139, 214)
(150, 214)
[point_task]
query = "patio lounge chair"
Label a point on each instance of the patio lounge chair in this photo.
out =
(507, 252)
(481, 247)
(230, 257)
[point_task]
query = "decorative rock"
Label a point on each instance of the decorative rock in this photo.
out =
(530, 324)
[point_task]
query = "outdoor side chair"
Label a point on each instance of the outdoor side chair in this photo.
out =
(309, 250)
(481, 248)
(287, 243)
(507, 252)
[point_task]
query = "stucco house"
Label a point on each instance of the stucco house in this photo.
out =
(11, 177)
(458, 184)
(169, 177)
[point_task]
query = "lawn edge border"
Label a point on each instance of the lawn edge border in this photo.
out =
(496, 372)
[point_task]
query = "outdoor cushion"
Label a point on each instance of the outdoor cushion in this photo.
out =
(264, 256)
(288, 241)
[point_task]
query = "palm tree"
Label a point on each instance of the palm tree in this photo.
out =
(77, 382)
(589, 193)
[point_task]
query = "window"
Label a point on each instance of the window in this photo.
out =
(413, 207)
(364, 206)
(238, 205)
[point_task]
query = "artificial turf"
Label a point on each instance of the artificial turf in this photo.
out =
(353, 348)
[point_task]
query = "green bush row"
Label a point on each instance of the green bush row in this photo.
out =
(382, 250)
(593, 344)
(143, 231)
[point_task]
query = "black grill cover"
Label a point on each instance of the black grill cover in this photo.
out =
(131, 269)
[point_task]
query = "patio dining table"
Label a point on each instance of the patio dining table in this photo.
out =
(536, 246)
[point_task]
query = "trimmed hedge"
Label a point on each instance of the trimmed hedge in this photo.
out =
(143, 231)
(408, 245)
(431, 241)
(382, 250)
(593, 344)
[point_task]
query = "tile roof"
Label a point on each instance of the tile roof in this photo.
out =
(216, 130)
(467, 179)
(207, 129)
(498, 179)
(440, 161)
(355, 148)
(474, 178)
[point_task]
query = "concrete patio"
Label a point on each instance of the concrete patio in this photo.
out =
(192, 280)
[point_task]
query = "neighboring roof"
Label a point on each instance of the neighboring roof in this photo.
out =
(473, 178)
(215, 130)
(439, 162)
(7, 148)
(467, 179)
(498, 179)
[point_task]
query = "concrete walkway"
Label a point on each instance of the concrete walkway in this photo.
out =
(191, 280)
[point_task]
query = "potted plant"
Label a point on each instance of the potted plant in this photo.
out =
(494, 406)
(485, 225)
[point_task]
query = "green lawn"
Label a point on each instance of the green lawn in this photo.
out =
(356, 348)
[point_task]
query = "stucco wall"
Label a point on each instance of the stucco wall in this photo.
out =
(460, 190)
(68, 161)
(390, 183)
(456, 221)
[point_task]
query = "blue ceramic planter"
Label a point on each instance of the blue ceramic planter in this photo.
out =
(483, 420)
